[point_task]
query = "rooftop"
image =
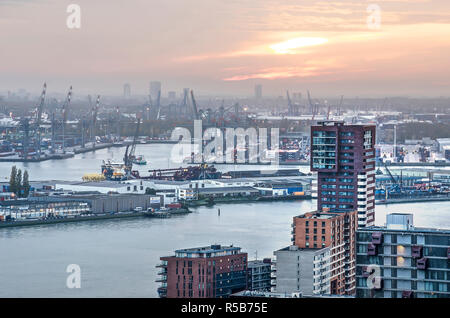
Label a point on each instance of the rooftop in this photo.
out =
(403, 222)
(215, 248)
(321, 215)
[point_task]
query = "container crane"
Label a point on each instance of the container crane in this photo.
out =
(290, 107)
(314, 107)
(65, 111)
(130, 155)
(194, 105)
(340, 104)
(38, 119)
(94, 117)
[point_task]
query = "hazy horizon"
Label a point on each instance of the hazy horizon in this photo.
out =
(219, 47)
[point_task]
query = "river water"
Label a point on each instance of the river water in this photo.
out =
(118, 257)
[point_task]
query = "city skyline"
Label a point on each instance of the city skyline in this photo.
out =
(327, 47)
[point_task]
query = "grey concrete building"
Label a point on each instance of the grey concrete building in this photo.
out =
(302, 270)
(259, 275)
(402, 261)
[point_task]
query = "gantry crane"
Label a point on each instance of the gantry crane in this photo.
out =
(65, 111)
(194, 106)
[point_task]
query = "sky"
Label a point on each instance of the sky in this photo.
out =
(228, 46)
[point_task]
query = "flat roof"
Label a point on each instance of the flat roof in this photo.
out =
(98, 184)
(255, 263)
(289, 248)
(208, 249)
(414, 230)
(227, 189)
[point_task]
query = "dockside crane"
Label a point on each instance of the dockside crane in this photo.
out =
(129, 156)
(94, 118)
(194, 105)
(41, 105)
(340, 105)
(328, 111)
(65, 111)
(290, 108)
(38, 118)
(314, 107)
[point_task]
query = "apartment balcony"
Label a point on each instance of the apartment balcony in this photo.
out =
(422, 263)
(371, 250)
(162, 279)
(377, 238)
(365, 272)
(407, 294)
(162, 290)
(162, 264)
(416, 251)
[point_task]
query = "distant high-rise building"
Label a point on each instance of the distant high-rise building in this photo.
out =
(344, 158)
(185, 103)
(155, 88)
(203, 272)
(126, 90)
(258, 91)
(399, 260)
(172, 96)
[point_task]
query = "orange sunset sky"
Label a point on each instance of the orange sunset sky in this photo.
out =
(228, 46)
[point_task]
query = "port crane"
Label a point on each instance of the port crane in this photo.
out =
(94, 113)
(130, 156)
(293, 108)
(340, 105)
(39, 118)
(194, 106)
(65, 111)
(314, 107)
(328, 111)
(290, 106)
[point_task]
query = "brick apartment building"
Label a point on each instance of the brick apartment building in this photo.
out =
(344, 158)
(334, 230)
(205, 272)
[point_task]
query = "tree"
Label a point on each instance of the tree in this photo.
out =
(12, 180)
(150, 191)
(26, 184)
(19, 183)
